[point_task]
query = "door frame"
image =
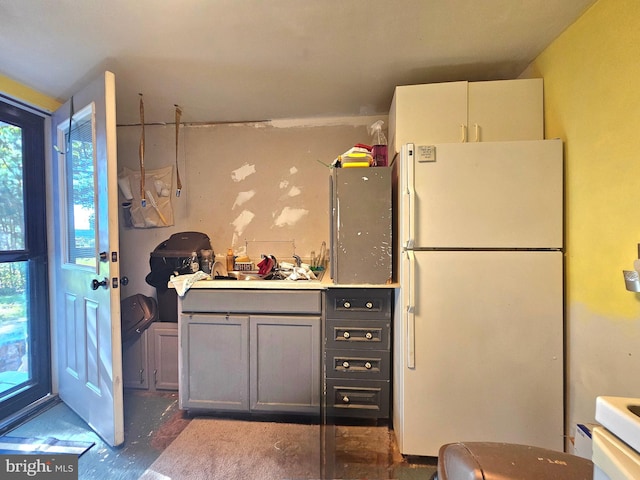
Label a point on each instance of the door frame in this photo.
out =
(35, 125)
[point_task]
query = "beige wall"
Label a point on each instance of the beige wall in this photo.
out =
(592, 101)
(264, 185)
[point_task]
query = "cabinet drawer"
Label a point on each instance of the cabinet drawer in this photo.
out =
(342, 334)
(370, 364)
(358, 398)
(361, 303)
(255, 301)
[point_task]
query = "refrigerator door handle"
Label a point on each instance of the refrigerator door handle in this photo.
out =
(408, 195)
(411, 318)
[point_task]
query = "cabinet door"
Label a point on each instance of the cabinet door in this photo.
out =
(134, 363)
(285, 364)
(163, 352)
(506, 110)
(427, 114)
(214, 356)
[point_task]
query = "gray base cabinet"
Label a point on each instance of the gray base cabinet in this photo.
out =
(357, 342)
(151, 361)
(164, 354)
(215, 362)
(246, 360)
(135, 371)
(285, 364)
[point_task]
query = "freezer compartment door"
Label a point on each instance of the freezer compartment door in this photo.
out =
(487, 332)
(485, 195)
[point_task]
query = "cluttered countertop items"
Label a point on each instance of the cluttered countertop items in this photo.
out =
(361, 155)
(206, 270)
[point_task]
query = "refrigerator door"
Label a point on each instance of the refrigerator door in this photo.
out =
(484, 195)
(482, 353)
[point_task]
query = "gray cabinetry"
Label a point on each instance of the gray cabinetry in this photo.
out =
(285, 363)
(251, 351)
(135, 373)
(163, 356)
(357, 336)
(215, 362)
(151, 361)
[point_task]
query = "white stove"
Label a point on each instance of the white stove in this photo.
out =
(616, 444)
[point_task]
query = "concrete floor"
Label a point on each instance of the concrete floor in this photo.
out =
(153, 421)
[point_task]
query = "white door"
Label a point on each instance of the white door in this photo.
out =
(483, 356)
(85, 269)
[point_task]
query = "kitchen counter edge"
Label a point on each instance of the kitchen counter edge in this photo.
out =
(282, 285)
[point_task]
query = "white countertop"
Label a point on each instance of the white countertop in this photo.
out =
(323, 284)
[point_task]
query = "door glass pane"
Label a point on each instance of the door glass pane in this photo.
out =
(81, 211)
(11, 188)
(14, 361)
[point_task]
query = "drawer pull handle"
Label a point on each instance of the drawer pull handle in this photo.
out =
(345, 364)
(369, 305)
(367, 365)
(346, 304)
(345, 399)
(369, 335)
(346, 335)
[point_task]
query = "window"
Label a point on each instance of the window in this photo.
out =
(24, 311)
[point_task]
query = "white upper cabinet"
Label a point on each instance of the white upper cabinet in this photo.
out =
(500, 110)
(506, 110)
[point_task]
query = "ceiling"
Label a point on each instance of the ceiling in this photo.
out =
(249, 60)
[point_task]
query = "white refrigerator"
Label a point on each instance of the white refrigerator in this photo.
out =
(478, 327)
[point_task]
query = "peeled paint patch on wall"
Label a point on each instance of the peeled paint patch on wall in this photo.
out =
(240, 224)
(243, 172)
(293, 192)
(290, 216)
(242, 198)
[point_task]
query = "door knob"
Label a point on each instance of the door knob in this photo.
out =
(95, 284)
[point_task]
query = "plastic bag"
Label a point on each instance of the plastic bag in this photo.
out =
(376, 131)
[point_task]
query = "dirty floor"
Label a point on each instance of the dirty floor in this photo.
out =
(153, 421)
